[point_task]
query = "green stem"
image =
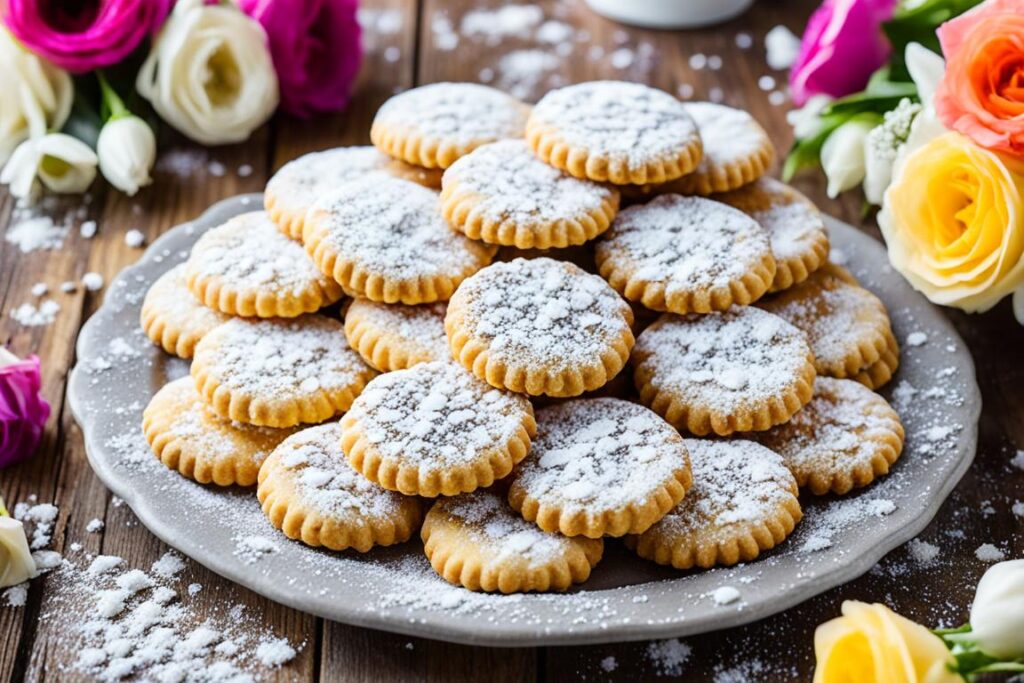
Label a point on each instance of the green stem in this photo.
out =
(111, 105)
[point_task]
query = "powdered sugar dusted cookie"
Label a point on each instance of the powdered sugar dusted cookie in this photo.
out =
(600, 467)
(686, 254)
(799, 241)
(435, 429)
(848, 326)
(743, 501)
(247, 267)
(845, 438)
(539, 326)
(616, 132)
(386, 240)
(393, 337)
(881, 371)
(188, 437)
(502, 194)
(173, 318)
(433, 125)
(739, 371)
(309, 491)
(277, 372)
(475, 540)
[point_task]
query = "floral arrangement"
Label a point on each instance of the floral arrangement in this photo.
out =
(921, 102)
(23, 410)
(215, 71)
(873, 643)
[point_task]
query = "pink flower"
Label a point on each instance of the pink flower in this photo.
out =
(23, 410)
(82, 36)
(316, 49)
(982, 92)
(842, 46)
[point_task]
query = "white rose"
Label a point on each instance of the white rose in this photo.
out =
(126, 150)
(63, 163)
(842, 155)
(16, 563)
(997, 614)
(36, 95)
(209, 73)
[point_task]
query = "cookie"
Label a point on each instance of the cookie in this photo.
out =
(845, 438)
(878, 374)
(502, 194)
(600, 467)
(427, 177)
(248, 267)
(476, 541)
(386, 240)
(173, 318)
(189, 437)
(743, 502)
(540, 327)
(848, 327)
(433, 125)
(796, 228)
(435, 429)
(738, 371)
(613, 131)
(309, 492)
(394, 337)
(686, 255)
(278, 373)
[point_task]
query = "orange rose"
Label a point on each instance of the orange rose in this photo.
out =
(982, 92)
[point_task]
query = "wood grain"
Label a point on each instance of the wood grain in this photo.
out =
(401, 54)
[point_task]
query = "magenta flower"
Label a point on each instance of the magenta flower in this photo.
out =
(23, 410)
(841, 47)
(316, 50)
(82, 36)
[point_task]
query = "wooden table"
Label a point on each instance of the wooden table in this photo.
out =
(401, 54)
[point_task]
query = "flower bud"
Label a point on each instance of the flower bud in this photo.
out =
(842, 155)
(127, 150)
(63, 163)
(997, 614)
(16, 563)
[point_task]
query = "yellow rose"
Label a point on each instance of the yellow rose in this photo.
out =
(953, 221)
(873, 644)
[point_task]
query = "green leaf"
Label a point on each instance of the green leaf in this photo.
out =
(882, 94)
(806, 153)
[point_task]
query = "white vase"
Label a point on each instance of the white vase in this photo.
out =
(669, 14)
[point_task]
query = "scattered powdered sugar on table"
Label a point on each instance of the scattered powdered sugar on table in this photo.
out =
(40, 518)
(30, 316)
(922, 552)
(668, 657)
(781, 48)
(299, 182)
(1018, 460)
(987, 552)
(34, 232)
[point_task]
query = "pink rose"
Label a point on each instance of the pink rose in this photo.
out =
(982, 92)
(82, 36)
(23, 410)
(841, 47)
(316, 49)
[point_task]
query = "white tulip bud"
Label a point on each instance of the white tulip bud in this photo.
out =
(16, 563)
(842, 156)
(806, 120)
(997, 614)
(126, 150)
(63, 163)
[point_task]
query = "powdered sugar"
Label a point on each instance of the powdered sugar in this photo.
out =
(419, 329)
(730, 136)
(793, 222)
(298, 184)
(620, 120)
(987, 552)
(30, 316)
(668, 656)
(599, 455)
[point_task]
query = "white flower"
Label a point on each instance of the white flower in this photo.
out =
(997, 614)
(126, 150)
(35, 96)
(806, 120)
(1018, 305)
(926, 69)
(882, 145)
(842, 155)
(209, 73)
(16, 563)
(63, 163)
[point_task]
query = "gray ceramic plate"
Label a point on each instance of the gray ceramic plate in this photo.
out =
(626, 598)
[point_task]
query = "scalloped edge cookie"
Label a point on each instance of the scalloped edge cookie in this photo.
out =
(176, 332)
(386, 350)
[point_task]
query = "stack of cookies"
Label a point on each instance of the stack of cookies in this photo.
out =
(447, 392)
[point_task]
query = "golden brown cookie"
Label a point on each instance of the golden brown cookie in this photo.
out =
(394, 337)
(475, 540)
(173, 318)
(502, 194)
(878, 374)
(845, 438)
(738, 371)
(435, 429)
(797, 230)
(189, 437)
(614, 131)
(248, 267)
(309, 492)
(539, 326)
(386, 240)
(743, 502)
(433, 125)
(600, 467)
(686, 255)
(279, 373)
